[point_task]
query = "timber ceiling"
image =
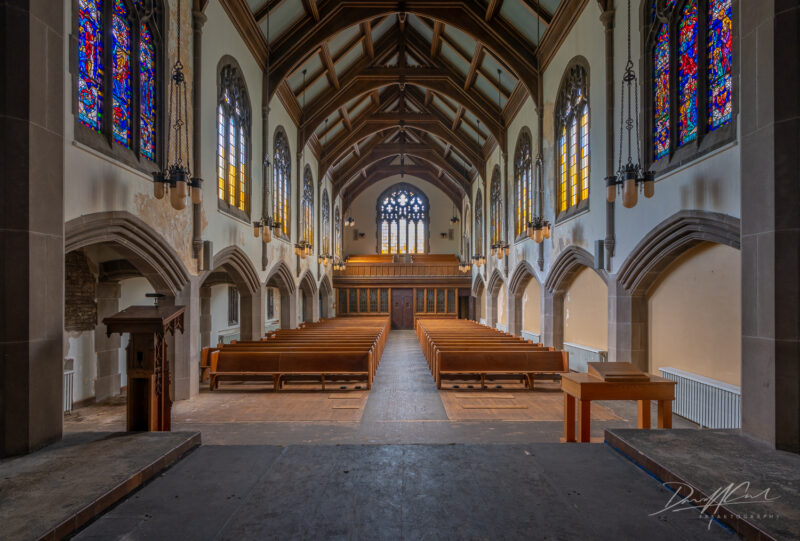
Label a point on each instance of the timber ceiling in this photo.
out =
(369, 81)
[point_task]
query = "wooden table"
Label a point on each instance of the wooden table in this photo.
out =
(586, 388)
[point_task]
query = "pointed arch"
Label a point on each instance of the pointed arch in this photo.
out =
(308, 289)
(517, 284)
(280, 277)
(326, 297)
(564, 268)
(237, 264)
(493, 286)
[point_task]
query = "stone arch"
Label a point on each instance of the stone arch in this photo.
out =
(326, 298)
(280, 277)
(493, 289)
(308, 289)
(517, 284)
(563, 270)
(478, 288)
(644, 265)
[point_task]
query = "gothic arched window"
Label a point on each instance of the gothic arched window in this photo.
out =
(496, 207)
(119, 77)
(690, 68)
(402, 220)
(325, 223)
(479, 223)
(282, 183)
(337, 233)
(307, 208)
(233, 141)
(523, 183)
(572, 150)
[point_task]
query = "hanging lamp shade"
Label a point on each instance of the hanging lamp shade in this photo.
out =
(197, 191)
(611, 189)
(538, 235)
(177, 200)
(630, 195)
(546, 231)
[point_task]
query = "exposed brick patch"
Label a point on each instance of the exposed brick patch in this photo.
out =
(80, 293)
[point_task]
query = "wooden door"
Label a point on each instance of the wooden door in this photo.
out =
(402, 309)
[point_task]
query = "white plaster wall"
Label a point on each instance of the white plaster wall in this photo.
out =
(80, 348)
(365, 213)
(219, 313)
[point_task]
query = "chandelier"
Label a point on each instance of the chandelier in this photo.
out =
(339, 265)
(630, 176)
(324, 259)
(478, 260)
(176, 178)
(500, 249)
(349, 221)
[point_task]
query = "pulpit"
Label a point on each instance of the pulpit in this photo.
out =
(149, 404)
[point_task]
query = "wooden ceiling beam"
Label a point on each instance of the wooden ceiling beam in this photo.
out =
(472, 74)
(262, 12)
(436, 42)
(369, 47)
(311, 9)
(330, 68)
(458, 117)
(536, 8)
(493, 9)
(346, 118)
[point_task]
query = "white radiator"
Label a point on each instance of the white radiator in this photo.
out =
(69, 384)
(707, 402)
(580, 356)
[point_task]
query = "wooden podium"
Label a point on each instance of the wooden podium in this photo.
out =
(149, 404)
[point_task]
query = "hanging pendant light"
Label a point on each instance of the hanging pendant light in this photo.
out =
(630, 176)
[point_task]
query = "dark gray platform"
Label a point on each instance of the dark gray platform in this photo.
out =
(537, 491)
(702, 463)
(55, 491)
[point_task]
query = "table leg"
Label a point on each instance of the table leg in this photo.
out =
(585, 421)
(644, 414)
(569, 418)
(665, 414)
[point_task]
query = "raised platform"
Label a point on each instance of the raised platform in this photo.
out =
(54, 492)
(745, 484)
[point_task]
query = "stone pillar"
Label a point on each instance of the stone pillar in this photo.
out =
(205, 317)
(251, 326)
(627, 326)
(553, 319)
(107, 383)
(31, 225)
(770, 137)
(288, 309)
(183, 349)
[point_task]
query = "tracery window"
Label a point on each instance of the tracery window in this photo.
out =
(496, 207)
(307, 208)
(479, 223)
(337, 233)
(233, 141)
(281, 183)
(402, 220)
(120, 57)
(523, 184)
(572, 150)
(325, 223)
(690, 47)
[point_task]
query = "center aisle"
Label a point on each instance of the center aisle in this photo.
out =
(403, 388)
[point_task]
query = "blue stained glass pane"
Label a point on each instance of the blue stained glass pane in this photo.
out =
(661, 93)
(121, 74)
(720, 60)
(147, 82)
(90, 63)
(687, 74)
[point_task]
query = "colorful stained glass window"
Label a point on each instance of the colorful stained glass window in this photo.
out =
(562, 167)
(720, 60)
(402, 218)
(661, 93)
(337, 232)
(479, 223)
(325, 223)
(147, 89)
(496, 207)
(584, 152)
(687, 74)
(572, 125)
(233, 140)
(523, 180)
(307, 208)
(121, 73)
(90, 63)
(281, 179)
(573, 161)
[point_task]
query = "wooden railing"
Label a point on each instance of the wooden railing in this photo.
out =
(390, 270)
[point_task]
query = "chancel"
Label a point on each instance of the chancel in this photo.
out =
(469, 269)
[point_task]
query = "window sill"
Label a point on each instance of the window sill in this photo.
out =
(688, 156)
(233, 212)
(579, 210)
(113, 152)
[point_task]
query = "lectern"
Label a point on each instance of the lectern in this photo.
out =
(149, 404)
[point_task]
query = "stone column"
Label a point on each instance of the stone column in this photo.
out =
(205, 316)
(107, 383)
(770, 138)
(553, 319)
(31, 225)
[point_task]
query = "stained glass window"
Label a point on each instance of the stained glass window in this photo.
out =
(496, 207)
(479, 223)
(90, 63)
(233, 140)
(572, 151)
(121, 73)
(281, 183)
(720, 61)
(523, 183)
(325, 223)
(307, 208)
(687, 74)
(402, 219)
(337, 232)
(147, 91)
(661, 92)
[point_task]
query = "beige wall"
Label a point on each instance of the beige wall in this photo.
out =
(586, 311)
(502, 317)
(532, 308)
(695, 315)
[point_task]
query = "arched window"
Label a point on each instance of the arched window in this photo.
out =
(307, 208)
(403, 220)
(325, 223)
(690, 46)
(233, 141)
(282, 183)
(337, 233)
(572, 150)
(496, 207)
(479, 223)
(122, 76)
(523, 183)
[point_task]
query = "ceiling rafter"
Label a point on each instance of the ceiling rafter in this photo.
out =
(311, 9)
(346, 118)
(261, 13)
(536, 8)
(477, 59)
(380, 171)
(369, 47)
(436, 42)
(330, 68)
(493, 9)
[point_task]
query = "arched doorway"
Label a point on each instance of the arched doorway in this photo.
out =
(325, 298)
(497, 293)
(309, 298)
(280, 278)
(524, 301)
(478, 296)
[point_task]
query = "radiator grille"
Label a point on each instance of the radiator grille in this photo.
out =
(69, 384)
(707, 402)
